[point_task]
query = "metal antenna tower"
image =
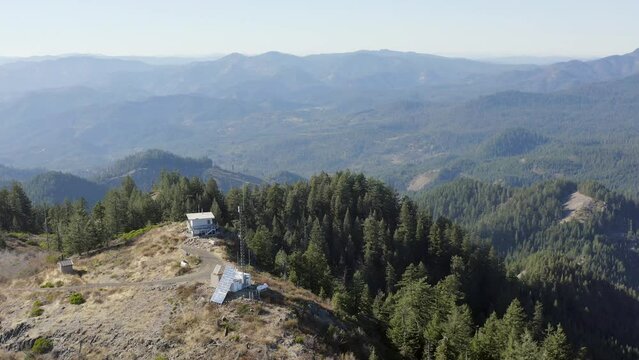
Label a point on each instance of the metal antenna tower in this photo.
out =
(240, 261)
(239, 211)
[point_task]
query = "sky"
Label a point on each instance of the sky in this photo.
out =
(471, 28)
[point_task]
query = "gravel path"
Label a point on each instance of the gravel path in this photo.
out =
(203, 273)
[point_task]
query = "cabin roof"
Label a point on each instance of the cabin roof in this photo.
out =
(200, 216)
(67, 262)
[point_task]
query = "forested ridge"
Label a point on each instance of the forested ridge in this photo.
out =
(428, 287)
(585, 268)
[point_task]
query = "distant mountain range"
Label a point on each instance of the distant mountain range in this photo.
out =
(394, 115)
(144, 168)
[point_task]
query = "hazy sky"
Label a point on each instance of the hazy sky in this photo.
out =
(199, 27)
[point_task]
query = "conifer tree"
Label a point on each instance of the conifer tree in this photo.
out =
(555, 346)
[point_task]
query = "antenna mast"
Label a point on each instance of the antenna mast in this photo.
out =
(239, 211)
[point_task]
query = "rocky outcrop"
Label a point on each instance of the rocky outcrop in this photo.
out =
(16, 339)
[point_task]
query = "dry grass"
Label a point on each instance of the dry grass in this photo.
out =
(5, 355)
(152, 256)
(290, 293)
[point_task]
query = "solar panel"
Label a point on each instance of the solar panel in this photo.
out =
(224, 285)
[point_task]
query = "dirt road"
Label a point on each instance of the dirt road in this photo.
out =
(202, 274)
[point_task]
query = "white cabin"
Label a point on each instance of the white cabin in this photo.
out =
(201, 224)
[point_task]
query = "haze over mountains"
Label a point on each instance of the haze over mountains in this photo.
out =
(391, 114)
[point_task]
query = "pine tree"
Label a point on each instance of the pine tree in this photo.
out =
(444, 350)
(486, 345)
(261, 244)
(537, 325)
(76, 238)
(556, 346)
(317, 270)
(281, 263)
(20, 208)
(217, 211)
(513, 322)
(523, 348)
(410, 315)
(458, 330)
(373, 252)
(373, 355)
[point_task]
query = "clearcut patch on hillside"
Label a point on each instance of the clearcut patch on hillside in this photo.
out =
(422, 180)
(580, 207)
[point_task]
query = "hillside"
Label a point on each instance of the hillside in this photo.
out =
(511, 142)
(574, 219)
(285, 177)
(173, 319)
(145, 167)
(19, 77)
(55, 187)
(8, 174)
(227, 180)
(577, 242)
(565, 75)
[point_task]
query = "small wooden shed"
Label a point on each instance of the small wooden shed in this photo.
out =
(66, 266)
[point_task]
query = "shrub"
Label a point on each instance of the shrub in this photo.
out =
(33, 242)
(161, 357)
(42, 346)
(59, 283)
(36, 311)
(243, 309)
(290, 324)
(76, 299)
(135, 233)
(182, 270)
(53, 258)
(299, 339)
(37, 303)
(47, 285)
(19, 235)
(194, 260)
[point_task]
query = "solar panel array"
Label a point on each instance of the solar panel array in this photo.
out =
(224, 285)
